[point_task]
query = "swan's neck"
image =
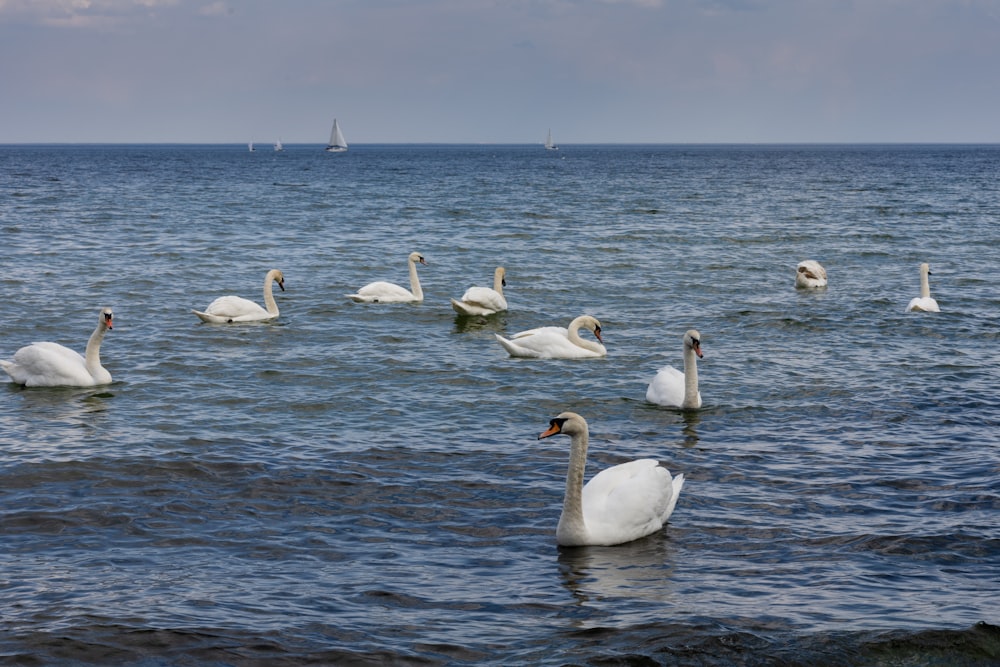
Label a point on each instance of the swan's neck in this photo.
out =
(498, 283)
(573, 334)
(415, 282)
(92, 357)
(925, 285)
(571, 521)
(269, 303)
(690, 378)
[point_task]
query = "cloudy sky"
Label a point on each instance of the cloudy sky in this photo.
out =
(456, 71)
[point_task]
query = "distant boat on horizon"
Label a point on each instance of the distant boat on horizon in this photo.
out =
(338, 144)
(250, 146)
(277, 146)
(549, 144)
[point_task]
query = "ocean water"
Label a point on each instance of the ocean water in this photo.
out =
(363, 484)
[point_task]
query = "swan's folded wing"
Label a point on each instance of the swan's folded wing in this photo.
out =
(627, 501)
(383, 292)
(46, 352)
(234, 307)
(49, 365)
(667, 387)
(562, 331)
(486, 298)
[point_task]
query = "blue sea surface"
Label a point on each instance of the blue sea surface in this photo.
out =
(363, 484)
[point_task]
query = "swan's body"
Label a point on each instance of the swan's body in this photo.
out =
(619, 504)
(925, 302)
(810, 274)
(675, 389)
(557, 342)
(230, 309)
(53, 365)
(483, 300)
(383, 292)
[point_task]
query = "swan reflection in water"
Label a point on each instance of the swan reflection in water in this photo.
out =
(640, 569)
(691, 420)
(84, 408)
(496, 323)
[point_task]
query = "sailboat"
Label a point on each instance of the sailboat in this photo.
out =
(337, 142)
(250, 146)
(549, 145)
(277, 146)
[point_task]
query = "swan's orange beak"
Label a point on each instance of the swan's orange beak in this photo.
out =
(422, 261)
(597, 333)
(281, 284)
(107, 320)
(697, 349)
(552, 430)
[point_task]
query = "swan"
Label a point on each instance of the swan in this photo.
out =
(383, 292)
(53, 365)
(483, 300)
(675, 389)
(556, 342)
(810, 273)
(229, 309)
(925, 302)
(619, 504)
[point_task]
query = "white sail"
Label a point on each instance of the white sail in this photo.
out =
(278, 146)
(337, 142)
(250, 146)
(549, 145)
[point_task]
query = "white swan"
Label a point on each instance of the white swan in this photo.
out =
(229, 309)
(556, 342)
(675, 389)
(53, 365)
(483, 300)
(383, 292)
(619, 504)
(809, 274)
(925, 302)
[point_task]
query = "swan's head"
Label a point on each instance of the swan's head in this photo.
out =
(692, 339)
(569, 423)
(501, 273)
(591, 323)
(278, 277)
(106, 319)
(416, 257)
(926, 268)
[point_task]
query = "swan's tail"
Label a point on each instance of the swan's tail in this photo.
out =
(675, 491)
(459, 307)
(463, 308)
(507, 345)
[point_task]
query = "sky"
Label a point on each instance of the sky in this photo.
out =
(500, 71)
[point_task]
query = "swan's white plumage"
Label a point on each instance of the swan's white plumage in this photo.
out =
(53, 365)
(673, 388)
(385, 292)
(619, 504)
(557, 342)
(810, 274)
(925, 302)
(484, 300)
(231, 309)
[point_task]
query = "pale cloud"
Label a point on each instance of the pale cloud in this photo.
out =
(216, 9)
(79, 13)
(460, 70)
